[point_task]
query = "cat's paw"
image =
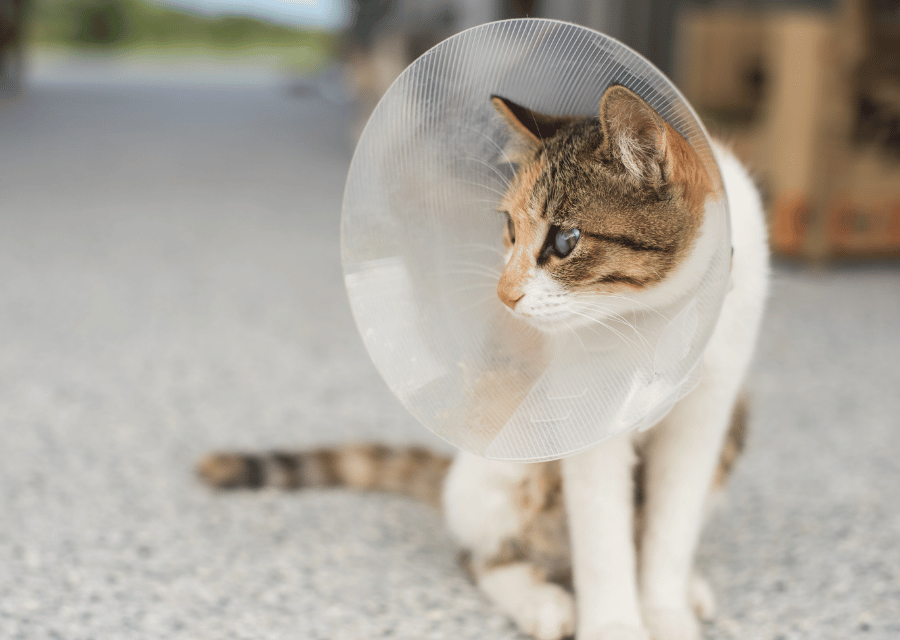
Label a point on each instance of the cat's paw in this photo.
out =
(616, 632)
(702, 598)
(549, 613)
(543, 610)
(672, 624)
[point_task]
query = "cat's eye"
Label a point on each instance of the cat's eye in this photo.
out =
(510, 228)
(564, 240)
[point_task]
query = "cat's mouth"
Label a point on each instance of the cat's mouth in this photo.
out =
(553, 320)
(538, 322)
(570, 315)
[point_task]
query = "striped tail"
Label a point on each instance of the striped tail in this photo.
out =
(409, 471)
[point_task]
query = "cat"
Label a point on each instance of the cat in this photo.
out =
(599, 544)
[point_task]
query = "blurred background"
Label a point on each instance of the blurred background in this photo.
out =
(805, 90)
(170, 284)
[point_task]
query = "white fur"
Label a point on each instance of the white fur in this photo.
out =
(478, 504)
(600, 504)
(543, 610)
(635, 155)
(615, 600)
(544, 303)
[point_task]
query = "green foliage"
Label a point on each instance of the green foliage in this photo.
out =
(148, 24)
(101, 22)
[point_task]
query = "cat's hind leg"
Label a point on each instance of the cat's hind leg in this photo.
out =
(492, 508)
(541, 609)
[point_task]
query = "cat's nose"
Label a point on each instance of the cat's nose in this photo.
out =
(509, 290)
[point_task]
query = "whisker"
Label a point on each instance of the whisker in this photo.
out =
(503, 179)
(481, 133)
(593, 330)
(477, 270)
(473, 287)
(603, 324)
(537, 128)
(596, 296)
(482, 200)
(575, 333)
(481, 247)
(484, 186)
(618, 317)
(470, 272)
(469, 276)
(472, 263)
(615, 317)
(645, 345)
(477, 303)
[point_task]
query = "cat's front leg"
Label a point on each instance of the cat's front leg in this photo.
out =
(681, 458)
(599, 495)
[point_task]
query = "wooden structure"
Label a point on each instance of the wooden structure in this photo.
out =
(812, 103)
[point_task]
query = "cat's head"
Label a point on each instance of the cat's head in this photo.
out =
(603, 214)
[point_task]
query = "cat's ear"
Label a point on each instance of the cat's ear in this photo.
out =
(532, 127)
(634, 134)
(652, 152)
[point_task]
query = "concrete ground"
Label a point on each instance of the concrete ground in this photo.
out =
(170, 285)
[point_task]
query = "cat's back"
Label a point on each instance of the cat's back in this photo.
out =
(743, 307)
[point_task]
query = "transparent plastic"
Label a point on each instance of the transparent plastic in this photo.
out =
(422, 251)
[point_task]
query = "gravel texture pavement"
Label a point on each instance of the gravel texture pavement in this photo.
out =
(170, 284)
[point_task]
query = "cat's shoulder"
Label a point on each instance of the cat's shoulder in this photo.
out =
(748, 220)
(739, 320)
(745, 202)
